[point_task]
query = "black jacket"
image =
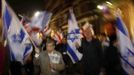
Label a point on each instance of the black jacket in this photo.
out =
(112, 61)
(92, 55)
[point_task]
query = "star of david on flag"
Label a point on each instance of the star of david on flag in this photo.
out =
(73, 36)
(18, 39)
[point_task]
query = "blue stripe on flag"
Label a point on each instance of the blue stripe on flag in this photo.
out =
(127, 62)
(72, 53)
(120, 26)
(7, 18)
(28, 47)
(12, 55)
(131, 52)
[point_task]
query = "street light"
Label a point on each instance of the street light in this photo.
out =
(100, 7)
(109, 3)
(36, 13)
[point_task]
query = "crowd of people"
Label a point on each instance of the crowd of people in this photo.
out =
(100, 57)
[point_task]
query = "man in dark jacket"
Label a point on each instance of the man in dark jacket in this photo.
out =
(92, 52)
(112, 58)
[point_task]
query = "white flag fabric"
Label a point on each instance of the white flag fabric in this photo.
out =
(18, 39)
(38, 24)
(72, 37)
(126, 47)
(42, 20)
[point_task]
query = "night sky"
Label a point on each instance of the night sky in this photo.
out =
(26, 7)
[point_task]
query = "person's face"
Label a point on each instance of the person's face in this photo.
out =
(50, 47)
(87, 32)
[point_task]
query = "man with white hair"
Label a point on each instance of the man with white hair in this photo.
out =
(92, 51)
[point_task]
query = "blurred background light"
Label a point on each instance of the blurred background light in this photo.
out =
(109, 3)
(36, 13)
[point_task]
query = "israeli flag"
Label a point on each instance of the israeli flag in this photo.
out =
(17, 37)
(126, 47)
(73, 36)
(41, 20)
